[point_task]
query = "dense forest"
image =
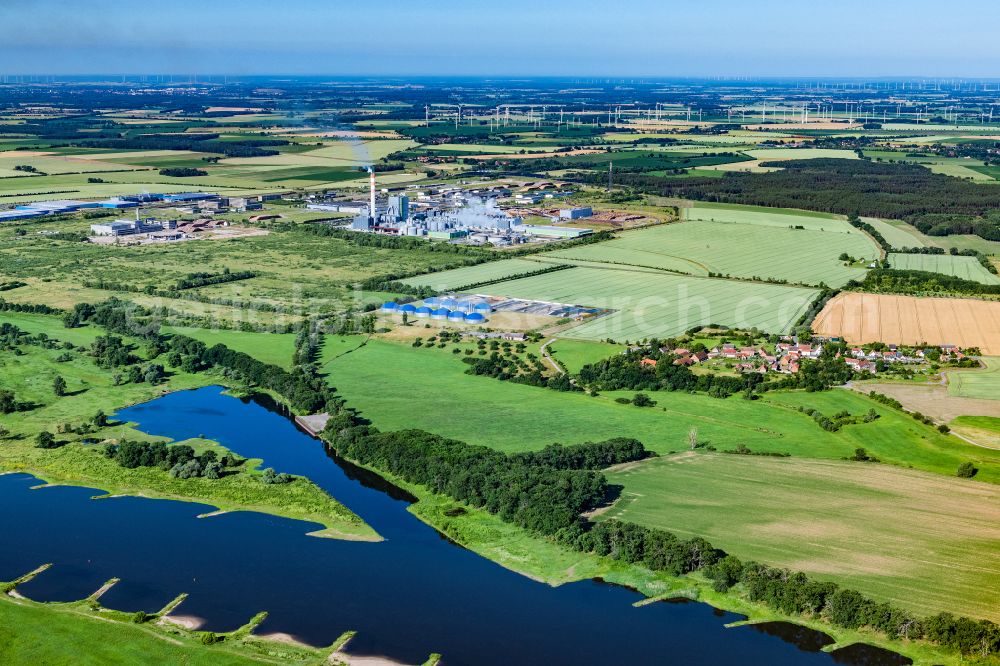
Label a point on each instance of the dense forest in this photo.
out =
(899, 191)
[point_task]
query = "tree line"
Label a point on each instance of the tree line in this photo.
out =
(898, 191)
(546, 493)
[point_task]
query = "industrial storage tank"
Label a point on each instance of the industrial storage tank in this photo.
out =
(440, 313)
(449, 303)
(408, 308)
(456, 316)
(474, 318)
(390, 306)
(432, 302)
(422, 311)
(483, 308)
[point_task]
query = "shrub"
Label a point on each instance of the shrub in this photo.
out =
(966, 470)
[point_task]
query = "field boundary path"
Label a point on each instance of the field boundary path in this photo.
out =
(548, 357)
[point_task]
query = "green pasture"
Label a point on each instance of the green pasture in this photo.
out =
(648, 303)
(398, 386)
(273, 348)
(967, 268)
(909, 537)
(574, 354)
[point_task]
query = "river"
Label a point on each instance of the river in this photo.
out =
(410, 595)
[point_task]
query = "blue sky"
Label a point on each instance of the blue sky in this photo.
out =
(514, 37)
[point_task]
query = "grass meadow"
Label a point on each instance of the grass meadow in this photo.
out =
(923, 541)
(397, 387)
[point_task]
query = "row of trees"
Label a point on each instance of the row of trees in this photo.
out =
(304, 390)
(546, 492)
(900, 281)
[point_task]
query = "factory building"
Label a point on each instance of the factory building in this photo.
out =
(576, 213)
(556, 232)
(129, 227)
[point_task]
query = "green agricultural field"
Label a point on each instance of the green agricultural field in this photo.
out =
(919, 540)
(428, 389)
(651, 304)
(574, 354)
(771, 217)
(977, 383)
(273, 348)
(460, 277)
(967, 268)
(699, 247)
(895, 233)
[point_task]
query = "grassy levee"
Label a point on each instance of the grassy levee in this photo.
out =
(926, 542)
(30, 376)
(83, 633)
(400, 387)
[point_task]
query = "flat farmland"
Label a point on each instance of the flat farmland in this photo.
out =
(771, 217)
(861, 318)
(765, 251)
(984, 383)
(967, 268)
(650, 304)
(895, 233)
(927, 542)
(459, 277)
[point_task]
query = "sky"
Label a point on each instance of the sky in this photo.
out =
(631, 38)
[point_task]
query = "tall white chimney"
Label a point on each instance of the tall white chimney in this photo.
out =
(371, 204)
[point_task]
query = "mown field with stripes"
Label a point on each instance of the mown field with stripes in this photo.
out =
(650, 303)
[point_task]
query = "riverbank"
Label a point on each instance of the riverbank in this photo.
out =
(59, 632)
(70, 417)
(545, 561)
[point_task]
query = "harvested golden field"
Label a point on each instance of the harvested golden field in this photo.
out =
(861, 318)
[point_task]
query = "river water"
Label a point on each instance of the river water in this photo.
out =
(410, 595)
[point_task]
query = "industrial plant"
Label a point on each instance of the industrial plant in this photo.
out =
(460, 217)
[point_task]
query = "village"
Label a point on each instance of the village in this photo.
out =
(785, 357)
